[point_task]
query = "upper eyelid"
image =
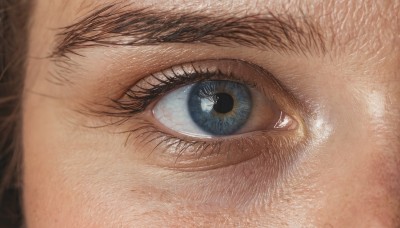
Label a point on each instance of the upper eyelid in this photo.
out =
(116, 24)
(170, 83)
(202, 70)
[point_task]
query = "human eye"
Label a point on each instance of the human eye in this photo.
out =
(216, 108)
(209, 114)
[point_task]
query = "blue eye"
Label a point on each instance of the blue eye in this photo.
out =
(219, 107)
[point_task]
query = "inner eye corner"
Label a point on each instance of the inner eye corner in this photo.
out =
(286, 121)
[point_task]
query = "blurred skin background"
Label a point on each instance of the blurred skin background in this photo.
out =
(106, 143)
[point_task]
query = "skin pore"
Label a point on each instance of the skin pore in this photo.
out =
(333, 67)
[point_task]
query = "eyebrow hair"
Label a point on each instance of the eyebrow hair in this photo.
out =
(118, 25)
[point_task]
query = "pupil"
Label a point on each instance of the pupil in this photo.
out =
(223, 103)
(219, 107)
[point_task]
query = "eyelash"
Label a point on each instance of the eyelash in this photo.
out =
(139, 100)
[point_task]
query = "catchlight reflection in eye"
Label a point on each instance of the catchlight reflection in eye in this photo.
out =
(218, 108)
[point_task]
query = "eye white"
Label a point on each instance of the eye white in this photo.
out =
(173, 112)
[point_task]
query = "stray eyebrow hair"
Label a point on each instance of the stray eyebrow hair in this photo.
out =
(119, 25)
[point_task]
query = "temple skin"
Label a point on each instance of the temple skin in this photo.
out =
(349, 176)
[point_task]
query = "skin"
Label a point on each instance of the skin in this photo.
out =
(75, 176)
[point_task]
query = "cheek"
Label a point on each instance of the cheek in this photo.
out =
(362, 190)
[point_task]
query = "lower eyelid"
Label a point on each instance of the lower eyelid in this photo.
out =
(170, 152)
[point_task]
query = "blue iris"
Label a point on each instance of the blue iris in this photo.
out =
(220, 107)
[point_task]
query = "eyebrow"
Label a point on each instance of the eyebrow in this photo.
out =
(119, 25)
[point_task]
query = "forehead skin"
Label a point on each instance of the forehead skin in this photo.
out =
(354, 183)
